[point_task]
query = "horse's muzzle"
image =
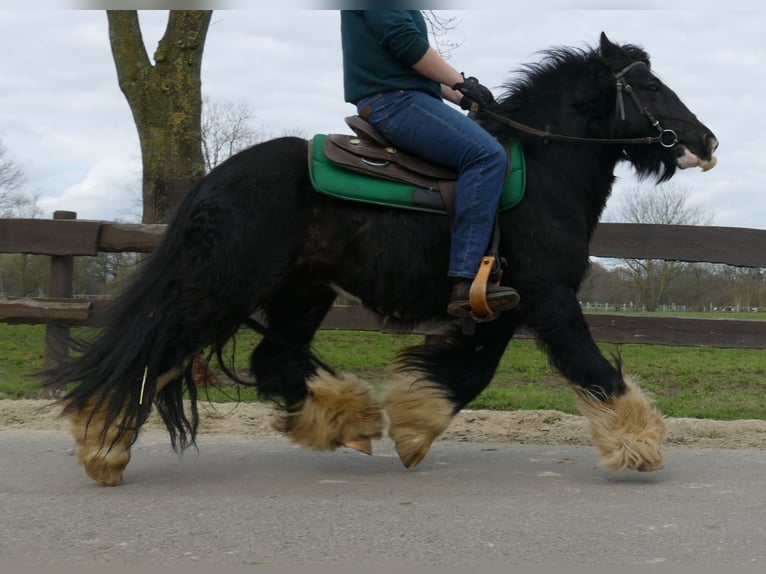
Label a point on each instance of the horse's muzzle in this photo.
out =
(686, 159)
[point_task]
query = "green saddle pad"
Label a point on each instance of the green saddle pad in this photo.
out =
(331, 179)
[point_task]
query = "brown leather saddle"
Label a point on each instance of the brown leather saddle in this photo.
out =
(368, 152)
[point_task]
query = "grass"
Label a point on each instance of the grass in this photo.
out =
(22, 353)
(744, 315)
(724, 384)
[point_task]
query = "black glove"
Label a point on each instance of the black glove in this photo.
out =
(475, 96)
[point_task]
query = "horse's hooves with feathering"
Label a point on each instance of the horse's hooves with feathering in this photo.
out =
(418, 413)
(627, 430)
(338, 411)
(103, 449)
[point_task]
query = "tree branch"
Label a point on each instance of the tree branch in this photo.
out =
(127, 43)
(185, 34)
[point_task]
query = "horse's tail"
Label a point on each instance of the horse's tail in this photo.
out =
(218, 262)
(182, 300)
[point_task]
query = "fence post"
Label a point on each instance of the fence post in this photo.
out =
(60, 286)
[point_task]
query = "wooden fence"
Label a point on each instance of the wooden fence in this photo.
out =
(64, 237)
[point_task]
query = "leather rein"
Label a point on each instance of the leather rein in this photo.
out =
(667, 138)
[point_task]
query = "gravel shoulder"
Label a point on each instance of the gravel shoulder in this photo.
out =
(525, 427)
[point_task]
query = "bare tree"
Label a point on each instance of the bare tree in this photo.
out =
(226, 129)
(744, 288)
(11, 183)
(440, 27)
(666, 205)
(165, 100)
(604, 285)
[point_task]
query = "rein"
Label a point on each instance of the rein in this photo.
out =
(667, 138)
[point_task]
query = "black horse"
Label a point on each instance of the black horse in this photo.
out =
(253, 244)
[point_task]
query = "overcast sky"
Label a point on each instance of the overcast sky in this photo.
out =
(64, 120)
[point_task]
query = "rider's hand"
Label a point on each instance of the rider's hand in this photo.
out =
(475, 95)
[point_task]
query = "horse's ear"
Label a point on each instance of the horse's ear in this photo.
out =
(613, 54)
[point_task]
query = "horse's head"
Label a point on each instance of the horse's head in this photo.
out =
(645, 106)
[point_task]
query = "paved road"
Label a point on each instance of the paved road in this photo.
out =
(266, 502)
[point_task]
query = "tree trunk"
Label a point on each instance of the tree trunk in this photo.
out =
(166, 100)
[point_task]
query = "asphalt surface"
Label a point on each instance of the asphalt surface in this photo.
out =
(265, 502)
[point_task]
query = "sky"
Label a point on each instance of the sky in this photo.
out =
(64, 121)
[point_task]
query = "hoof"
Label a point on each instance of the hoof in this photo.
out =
(104, 473)
(104, 450)
(103, 465)
(627, 430)
(418, 413)
(361, 444)
(337, 412)
(658, 465)
(412, 450)
(632, 456)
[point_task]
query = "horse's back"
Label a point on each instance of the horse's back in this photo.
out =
(270, 169)
(255, 193)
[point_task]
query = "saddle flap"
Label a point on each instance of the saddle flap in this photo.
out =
(366, 156)
(371, 144)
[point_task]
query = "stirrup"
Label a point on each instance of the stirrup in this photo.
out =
(481, 312)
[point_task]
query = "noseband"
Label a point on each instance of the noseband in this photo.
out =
(667, 138)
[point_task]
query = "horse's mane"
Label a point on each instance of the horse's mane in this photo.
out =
(571, 91)
(556, 64)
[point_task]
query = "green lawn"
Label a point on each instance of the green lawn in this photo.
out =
(686, 381)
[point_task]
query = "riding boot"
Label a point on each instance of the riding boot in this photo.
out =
(499, 298)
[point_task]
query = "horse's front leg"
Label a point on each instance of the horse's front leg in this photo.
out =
(441, 377)
(625, 426)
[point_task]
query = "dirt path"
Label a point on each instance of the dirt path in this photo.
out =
(532, 427)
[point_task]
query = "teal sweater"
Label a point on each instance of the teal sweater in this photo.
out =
(379, 50)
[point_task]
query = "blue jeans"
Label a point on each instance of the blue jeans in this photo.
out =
(431, 129)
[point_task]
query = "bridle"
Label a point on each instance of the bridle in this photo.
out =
(667, 138)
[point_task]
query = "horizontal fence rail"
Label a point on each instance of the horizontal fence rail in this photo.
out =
(738, 246)
(64, 237)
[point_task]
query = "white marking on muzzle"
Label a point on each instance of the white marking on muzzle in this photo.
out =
(688, 159)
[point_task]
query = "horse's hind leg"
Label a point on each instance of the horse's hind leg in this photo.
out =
(625, 426)
(104, 448)
(320, 410)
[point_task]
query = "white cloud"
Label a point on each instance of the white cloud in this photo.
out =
(110, 190)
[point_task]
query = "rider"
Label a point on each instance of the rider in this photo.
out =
(397, 82)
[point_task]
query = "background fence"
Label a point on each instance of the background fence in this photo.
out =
(64, 237)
